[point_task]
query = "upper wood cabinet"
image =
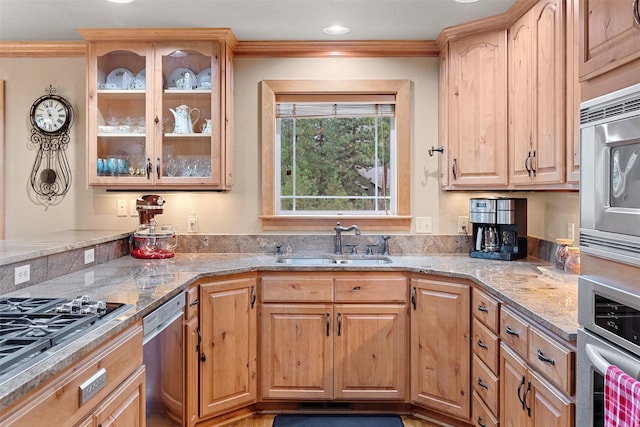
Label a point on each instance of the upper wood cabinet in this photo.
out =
(536, 95)
(474, 127)
(150, 95)
(609, 35)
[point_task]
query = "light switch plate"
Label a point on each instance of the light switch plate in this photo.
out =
(423, 225)
(122, 208)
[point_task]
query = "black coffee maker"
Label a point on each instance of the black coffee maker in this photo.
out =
(499, 228)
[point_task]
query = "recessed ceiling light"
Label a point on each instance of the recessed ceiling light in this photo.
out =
(336, 30)
(121, 1)
(467, 1)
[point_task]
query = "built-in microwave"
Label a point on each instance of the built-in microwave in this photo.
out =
(610, 176)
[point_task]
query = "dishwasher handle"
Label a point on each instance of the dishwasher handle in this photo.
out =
(162, 317)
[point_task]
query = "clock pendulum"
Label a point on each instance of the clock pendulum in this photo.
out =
(51, 118)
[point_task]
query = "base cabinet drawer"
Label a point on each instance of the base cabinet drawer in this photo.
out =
(485, 384)
(485, 345)
(481, 416)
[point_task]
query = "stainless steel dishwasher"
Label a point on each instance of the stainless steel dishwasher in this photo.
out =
(164, 361)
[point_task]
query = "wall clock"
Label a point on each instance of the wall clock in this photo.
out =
(51, 119)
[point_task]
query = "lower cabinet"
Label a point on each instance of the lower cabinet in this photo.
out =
(227, 350)
(124, 407)
(334, 336)
(527, 399)
(119, 402)
(440, 346)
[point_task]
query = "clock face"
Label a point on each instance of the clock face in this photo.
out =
(50, 115)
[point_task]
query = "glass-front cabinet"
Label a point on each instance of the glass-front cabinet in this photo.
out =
(159, 105)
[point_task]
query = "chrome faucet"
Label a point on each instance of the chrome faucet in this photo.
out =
(338, 239)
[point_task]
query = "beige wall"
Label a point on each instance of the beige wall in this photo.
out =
(237, 211)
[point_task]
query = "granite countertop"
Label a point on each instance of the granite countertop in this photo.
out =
(531, 286)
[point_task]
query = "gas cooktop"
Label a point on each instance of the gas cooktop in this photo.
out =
(29, 326)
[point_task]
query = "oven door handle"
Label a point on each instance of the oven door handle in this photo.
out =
(602, 359)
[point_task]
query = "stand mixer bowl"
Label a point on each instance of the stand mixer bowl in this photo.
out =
(150, 240)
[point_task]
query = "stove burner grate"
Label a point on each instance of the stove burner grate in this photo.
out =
(28, 305)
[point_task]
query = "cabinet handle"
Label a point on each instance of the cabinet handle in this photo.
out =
(413, 298)
(482, 384)
(544, 358)
(526, 163)
(199, 339)
(454, 169)
(339, 324)
(156, 120)
(534, 170)
(158, 167)
(203, 358)
(520, 388)
(482, 308)
(524, 399)
(148, 168)
(194, 302)
(482, 345)
(510, 331)
(480, 423)
(636, 13)
(328, 322)
(253, 296)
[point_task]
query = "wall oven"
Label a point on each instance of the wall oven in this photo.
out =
(610, 178)
(609, 335)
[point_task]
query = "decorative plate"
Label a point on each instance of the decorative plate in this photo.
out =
(116, 77)
(141, 80)
(204, 78)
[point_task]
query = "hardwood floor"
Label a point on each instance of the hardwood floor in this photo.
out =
(267, 421)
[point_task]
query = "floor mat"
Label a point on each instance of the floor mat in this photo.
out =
(313, 420)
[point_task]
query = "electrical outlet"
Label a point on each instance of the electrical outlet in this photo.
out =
(571, 230)
(463, 225)
(132, 208)
(423, 224)
(122, 208)
(22, 274)
(89, 278)
(89, 256)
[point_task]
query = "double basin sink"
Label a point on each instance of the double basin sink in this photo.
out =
(346, 260)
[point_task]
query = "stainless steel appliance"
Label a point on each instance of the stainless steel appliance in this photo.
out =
(610, 334)
(164, 362)
(31, 328)
(499, 228)
(610, 178)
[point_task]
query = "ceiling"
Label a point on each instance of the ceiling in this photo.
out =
(250, 20)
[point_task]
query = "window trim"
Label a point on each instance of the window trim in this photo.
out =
(269, 89)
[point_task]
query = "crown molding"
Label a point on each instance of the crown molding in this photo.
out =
(336, 49)
(43, 49)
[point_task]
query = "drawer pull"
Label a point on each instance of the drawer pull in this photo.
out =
(413, 297)
(544, 358)
(520, 388)
(510, 331)
(194, 302)
(480, 423)
(253, 296)
(482, 345)
(482, 384)
(482, 308)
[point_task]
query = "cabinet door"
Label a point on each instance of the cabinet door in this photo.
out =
(370, 351)
(522, 78)
(125, 406)
(119, 113)
(515, 386)
(440, 346)
(609, 37)
(549, 407)
(296, 351)
(548, 156)
(478, 110)
(228, 349)
(191, 357)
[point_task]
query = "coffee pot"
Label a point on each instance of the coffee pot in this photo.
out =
(184, 119)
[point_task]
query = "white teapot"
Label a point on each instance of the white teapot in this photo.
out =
(206, 128)
(184, 121)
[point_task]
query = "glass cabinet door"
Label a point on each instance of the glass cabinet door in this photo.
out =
(188, 140)
(120, 118)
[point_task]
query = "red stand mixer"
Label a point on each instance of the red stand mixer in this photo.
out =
(150, 240)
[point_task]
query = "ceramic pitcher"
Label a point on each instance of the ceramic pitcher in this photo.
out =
(185, 118)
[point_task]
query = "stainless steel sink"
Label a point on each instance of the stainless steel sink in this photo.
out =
(346, 260)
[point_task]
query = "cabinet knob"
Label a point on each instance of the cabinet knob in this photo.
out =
(203, 358)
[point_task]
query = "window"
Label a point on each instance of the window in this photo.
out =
(335, 150)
